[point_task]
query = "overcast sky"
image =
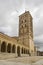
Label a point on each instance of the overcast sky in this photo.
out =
(11, 9)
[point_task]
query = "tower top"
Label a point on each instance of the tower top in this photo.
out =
(25, 13)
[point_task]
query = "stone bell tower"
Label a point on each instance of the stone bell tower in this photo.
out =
(26, 30)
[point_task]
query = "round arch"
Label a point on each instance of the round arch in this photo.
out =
(13, 48)
(22, 50)
(28, 51)
(9, 48)
(18, 50)
(3, 46)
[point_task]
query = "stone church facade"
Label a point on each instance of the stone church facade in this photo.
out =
(22, 45)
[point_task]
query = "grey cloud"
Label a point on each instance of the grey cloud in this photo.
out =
(38, 40)
(38, 22)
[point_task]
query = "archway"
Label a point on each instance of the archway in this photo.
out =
(13, 48)
(3, 46)
(9, 48)
(18, 51)
(22, 50)
(28, 51)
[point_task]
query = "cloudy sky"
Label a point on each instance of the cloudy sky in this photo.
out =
(9, 21)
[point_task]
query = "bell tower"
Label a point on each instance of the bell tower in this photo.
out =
(25, 25)
(26, 29)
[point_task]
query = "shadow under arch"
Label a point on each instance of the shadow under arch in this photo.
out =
(3, 46)
(22, 50)
(18, 50)
(13, 49)
(9, 48)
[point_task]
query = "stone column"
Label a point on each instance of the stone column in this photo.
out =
(6, 48)
(16, 51)
(20, 52)
(11, 48)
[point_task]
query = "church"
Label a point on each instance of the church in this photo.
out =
(23, 45)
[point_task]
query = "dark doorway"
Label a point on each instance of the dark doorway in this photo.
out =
(3, 47)
(9, 48)
(18, 51)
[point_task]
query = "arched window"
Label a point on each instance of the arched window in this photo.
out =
(22, 21)
(25, 20)
(22, 26)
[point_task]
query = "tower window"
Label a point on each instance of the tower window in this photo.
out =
(25, 20)
(22, 26)
(22, 21)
